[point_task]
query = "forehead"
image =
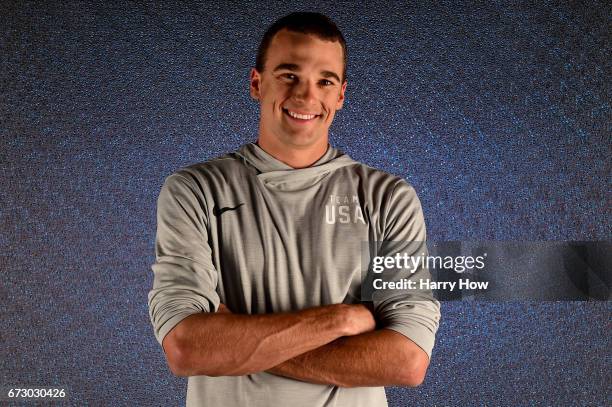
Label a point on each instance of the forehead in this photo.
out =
(304, 49)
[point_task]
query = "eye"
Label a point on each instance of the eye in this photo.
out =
(289, 76)
(326, 82)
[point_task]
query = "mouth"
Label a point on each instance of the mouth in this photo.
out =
(300, 117)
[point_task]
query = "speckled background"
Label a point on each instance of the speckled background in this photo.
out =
(498, 114)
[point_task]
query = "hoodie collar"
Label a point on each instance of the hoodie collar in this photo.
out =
(275, 173)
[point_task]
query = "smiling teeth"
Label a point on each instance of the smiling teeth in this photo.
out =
(301, 116)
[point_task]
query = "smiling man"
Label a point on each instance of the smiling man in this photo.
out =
(299, 94)
(258, 273)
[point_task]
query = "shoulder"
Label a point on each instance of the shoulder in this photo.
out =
(207, 174)
(215, 166)
(196, 185)
(380, 182)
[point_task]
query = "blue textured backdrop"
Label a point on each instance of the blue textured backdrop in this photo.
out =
(498, 114)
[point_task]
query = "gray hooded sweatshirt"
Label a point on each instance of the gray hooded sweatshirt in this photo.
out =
(249, 231)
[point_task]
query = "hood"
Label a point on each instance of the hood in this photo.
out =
(276, 174)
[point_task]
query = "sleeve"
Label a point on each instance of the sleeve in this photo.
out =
(414, 313)
(185, 279)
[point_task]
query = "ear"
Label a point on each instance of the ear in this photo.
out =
(255, 83)
(341, 96)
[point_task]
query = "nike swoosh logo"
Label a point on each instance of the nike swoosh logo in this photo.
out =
(219, 211)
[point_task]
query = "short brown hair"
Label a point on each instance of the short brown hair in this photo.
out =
(306, 23)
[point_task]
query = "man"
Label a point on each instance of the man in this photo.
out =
(256, 295)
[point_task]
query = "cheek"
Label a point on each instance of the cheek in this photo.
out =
(276, 98)
(331, 102)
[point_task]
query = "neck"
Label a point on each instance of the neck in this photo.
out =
(294, 156)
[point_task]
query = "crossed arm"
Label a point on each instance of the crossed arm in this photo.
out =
(334, 344)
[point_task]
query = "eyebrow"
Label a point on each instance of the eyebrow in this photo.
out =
(295, 67)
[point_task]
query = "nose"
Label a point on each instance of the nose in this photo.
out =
(304, 91)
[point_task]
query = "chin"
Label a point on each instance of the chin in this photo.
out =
(304, 140)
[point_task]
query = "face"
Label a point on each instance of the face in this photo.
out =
(299, 90)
